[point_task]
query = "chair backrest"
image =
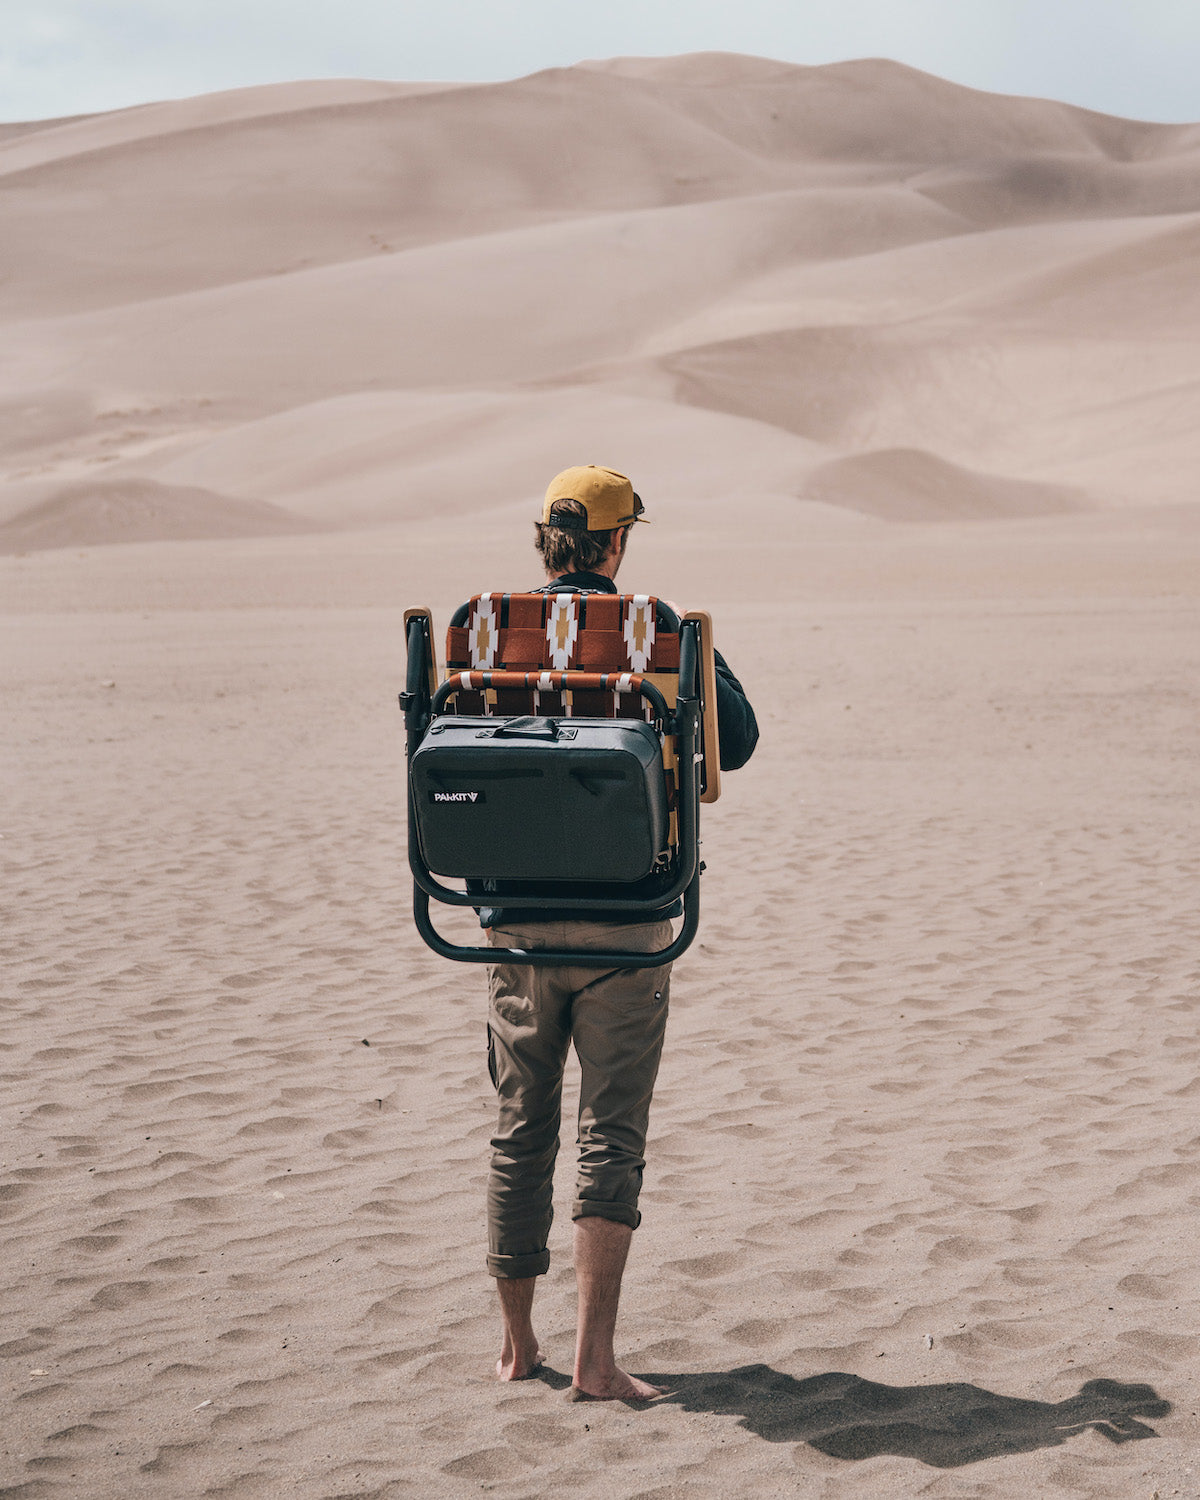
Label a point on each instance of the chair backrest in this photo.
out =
(544, 632)
(613, 638)
(566, 632)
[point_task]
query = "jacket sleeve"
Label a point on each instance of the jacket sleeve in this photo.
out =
(736, 724)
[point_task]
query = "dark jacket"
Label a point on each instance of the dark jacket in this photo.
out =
(738, 733)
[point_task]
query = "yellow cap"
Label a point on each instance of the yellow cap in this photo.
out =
(606, 496)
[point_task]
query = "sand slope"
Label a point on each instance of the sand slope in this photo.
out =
(906, 485)
(932, 1067)
(138, 510)
(861, 254)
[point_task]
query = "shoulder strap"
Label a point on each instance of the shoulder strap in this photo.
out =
(553, 588)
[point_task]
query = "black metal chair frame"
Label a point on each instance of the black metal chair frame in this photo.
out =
(422, 702)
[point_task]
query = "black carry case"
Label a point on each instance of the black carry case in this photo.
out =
(538, 798)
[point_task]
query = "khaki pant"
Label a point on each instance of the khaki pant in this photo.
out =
(616, 1019)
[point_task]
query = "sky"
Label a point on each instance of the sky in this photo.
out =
(1139, 58)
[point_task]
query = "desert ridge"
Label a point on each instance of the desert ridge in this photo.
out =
(855, 262)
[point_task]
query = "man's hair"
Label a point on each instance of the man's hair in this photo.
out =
(566, 551)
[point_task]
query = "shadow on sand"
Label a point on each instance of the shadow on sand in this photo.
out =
(848, 1417)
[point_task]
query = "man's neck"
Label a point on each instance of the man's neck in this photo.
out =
(593, 578)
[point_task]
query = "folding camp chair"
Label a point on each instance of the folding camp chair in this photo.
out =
(560, 764)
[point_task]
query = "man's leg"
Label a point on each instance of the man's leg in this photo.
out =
(618, 1024)
(520, 1354)
(601, 1246)
(528, 1020)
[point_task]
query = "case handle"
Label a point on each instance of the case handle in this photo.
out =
(527, 727)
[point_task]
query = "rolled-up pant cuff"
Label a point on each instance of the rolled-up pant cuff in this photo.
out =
(594, 1208)
(516, 1267)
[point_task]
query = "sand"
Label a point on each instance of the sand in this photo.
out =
(906, 375)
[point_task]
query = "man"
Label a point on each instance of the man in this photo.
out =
(615, 1018)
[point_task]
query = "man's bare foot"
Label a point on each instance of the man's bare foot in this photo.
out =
(518, 1364)
(601, 1246)
(615, 1387)
(519, 1353)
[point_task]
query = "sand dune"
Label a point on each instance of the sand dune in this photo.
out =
(389, 166)
(860, 255)
(518, 305)
(904, 484)
(907, 376)
(138, 510)
(402, 456)
(89, 134)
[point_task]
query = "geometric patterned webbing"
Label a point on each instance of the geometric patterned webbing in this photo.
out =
(562, 632)
(557, 632)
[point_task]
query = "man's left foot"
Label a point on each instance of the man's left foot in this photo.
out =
(515, 1365)
(617, 1387)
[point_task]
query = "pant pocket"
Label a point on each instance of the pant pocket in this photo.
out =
(491, 1049)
